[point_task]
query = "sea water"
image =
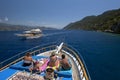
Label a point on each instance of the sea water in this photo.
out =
(100, 51)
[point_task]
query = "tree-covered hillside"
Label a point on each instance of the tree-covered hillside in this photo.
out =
(108, 21)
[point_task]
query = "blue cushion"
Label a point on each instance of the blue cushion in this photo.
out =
(67, 78)
(64, 73)
(19, 66)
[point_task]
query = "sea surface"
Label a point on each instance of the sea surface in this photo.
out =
(100, 51)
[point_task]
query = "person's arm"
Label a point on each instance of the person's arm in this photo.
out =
(31, 59)
(69, 63)
(24, 58)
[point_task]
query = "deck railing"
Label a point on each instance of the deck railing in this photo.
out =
(34, 51)
(79, 58)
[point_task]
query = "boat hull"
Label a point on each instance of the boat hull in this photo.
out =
(77, 72)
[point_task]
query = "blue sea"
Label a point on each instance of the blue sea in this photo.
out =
(100, 51)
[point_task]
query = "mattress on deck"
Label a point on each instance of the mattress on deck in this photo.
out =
(18, 65)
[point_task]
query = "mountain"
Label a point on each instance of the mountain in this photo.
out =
(108, 21)
(10, 27)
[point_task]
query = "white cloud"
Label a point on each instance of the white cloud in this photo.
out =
(6, 18)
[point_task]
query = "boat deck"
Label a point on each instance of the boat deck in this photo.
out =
(10, 72)
(75, 72)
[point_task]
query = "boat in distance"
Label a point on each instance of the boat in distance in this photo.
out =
(12, 69)
(33, 33)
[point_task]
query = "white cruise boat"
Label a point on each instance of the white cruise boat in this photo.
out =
(34, 33)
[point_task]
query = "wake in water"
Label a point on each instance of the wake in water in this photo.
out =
(57, 33)
(57, 37)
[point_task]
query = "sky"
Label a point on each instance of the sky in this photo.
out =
(52, 13)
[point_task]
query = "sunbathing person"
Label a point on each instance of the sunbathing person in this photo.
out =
(64, 63)
(39, 65)
(27, 60)
(53, 62)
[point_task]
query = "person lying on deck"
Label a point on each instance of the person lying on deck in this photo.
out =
(27, 60)
(53, 62)
(64, 63)
(39, 65)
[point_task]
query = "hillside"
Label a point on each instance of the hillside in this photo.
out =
(108, 21)
(10, 27)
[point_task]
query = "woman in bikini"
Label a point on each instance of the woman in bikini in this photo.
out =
(54, 62)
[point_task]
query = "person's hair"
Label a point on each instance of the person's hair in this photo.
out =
(52, 54)
(28, 54)
(49, 70)
(63, 56)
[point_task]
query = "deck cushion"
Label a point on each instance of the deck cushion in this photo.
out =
(64, 73)
(19, 66)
